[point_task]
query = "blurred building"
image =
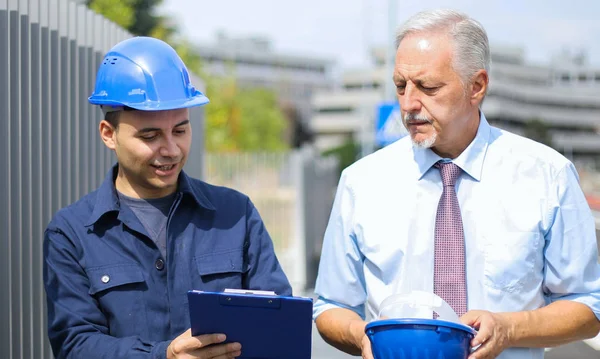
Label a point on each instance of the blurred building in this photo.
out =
(563, 96)
(347, 111)
(255, 64)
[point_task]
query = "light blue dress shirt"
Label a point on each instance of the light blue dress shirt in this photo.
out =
(529, 233)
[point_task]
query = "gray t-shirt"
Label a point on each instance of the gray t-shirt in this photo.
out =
(153, 214)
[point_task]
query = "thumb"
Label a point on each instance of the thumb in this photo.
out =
(186, 334)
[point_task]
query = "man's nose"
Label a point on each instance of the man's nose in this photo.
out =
(169, 147)
(410, 100)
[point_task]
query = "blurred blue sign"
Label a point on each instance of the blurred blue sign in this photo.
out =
(389, 124)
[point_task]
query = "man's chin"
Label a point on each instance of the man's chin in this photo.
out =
(164, 182)
(159, 184)
(421, 142)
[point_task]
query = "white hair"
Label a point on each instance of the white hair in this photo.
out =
(471, 47)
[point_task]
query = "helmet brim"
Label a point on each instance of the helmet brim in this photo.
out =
(198, 100)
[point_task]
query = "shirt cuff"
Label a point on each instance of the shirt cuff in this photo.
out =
(321, 305)
(159, 351)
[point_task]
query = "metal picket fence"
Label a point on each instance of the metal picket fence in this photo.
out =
(49, 146)
(293, 192)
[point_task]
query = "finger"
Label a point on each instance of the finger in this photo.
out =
(483, 352)
(482, 336)
(216, 351)
(186, 334)
(471, 317)
(192, 343)
(209, 339)
(367, 353)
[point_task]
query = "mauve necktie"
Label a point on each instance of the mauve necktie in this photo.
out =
(449, 266)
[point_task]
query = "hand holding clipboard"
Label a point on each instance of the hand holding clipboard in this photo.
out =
(202, 346)
(266, 325)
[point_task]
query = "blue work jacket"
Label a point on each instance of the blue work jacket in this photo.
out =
(111, 294)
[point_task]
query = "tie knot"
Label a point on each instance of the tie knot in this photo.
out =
(449, 172)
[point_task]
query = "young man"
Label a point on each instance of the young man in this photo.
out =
(494, 223)
(119, 262)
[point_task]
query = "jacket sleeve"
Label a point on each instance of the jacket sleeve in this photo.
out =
(264, 271)
(77, 328)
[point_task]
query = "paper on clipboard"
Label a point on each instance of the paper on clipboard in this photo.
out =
(247, 291)
(266, 325)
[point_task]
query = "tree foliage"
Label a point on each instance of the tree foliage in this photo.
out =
(136, 16)
(539, 131)
(146, 19)
(242, 119)
(121, 12)
(346, 154)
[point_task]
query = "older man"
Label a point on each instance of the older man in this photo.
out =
(494, 223)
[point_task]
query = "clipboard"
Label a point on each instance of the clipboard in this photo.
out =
(266, 325)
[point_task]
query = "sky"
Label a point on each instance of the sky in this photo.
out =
(345, 30)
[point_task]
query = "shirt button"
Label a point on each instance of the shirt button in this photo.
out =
(159, 264)
(105, 279)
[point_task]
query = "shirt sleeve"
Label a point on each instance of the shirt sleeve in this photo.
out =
(264, 270)
(340, 282)
(77, 328)
(571, 268)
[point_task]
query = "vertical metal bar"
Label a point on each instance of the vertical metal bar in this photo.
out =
(56, 136)
(93, 120)
(299, 219)
(26, 233)
(74, 103)
(14, 137)
(65, 115)
(46, 140)
(5, 217)
(100, 47)
(84, 91)
(45, 111)
(92, 111)
(38, 333)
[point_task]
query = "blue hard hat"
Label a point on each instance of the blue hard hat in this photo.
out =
(410, 338)
(145, 74)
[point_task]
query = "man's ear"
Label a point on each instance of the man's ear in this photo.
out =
(108, 134)
(479, 86)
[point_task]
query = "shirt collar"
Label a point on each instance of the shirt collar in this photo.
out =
(195, 192)
(470, 160)
(107, 199)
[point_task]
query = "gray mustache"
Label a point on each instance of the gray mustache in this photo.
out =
(411, 117)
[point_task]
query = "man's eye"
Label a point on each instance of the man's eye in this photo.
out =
(427, 88)
(148, 137)
(180, 132)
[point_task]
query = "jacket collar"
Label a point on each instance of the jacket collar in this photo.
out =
(107, 199)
